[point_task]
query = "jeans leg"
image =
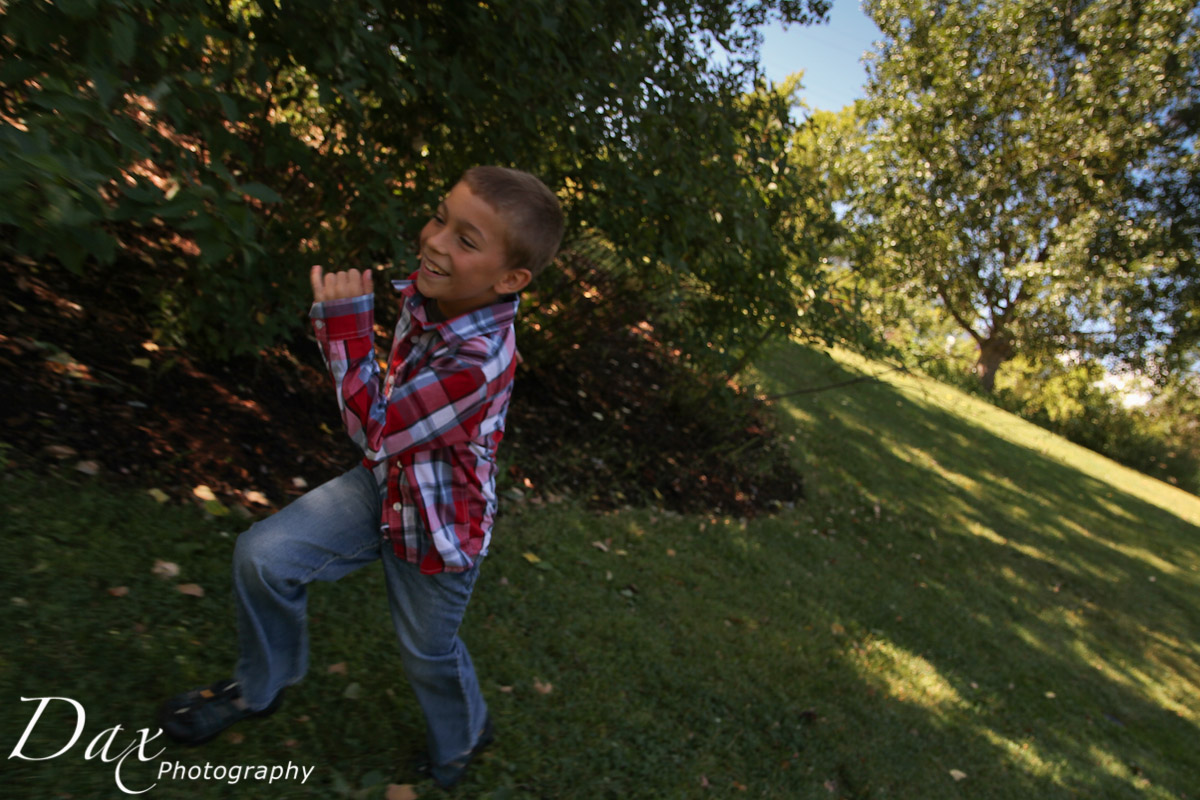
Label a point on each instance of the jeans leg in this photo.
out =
(324, 535)
(427, 611)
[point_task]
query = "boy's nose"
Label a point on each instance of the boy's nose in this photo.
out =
(437, 242)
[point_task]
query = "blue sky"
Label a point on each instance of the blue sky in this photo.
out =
(830, 55)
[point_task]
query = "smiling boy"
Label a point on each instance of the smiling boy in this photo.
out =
(423, 500)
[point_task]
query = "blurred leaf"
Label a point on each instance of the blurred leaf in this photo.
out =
(261, 192)
(216, 508)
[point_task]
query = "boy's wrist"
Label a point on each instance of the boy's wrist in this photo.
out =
(345, 318)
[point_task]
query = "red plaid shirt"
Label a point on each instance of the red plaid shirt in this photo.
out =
(430, 425)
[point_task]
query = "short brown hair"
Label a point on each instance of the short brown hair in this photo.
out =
(533, 214)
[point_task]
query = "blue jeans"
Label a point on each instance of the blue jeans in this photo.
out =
(326, 534)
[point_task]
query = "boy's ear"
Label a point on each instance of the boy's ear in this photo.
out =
(513, 281)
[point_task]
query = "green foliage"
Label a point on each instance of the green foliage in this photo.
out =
(271, 137)
(1008, 147)
(132, 122)
(1075, 399)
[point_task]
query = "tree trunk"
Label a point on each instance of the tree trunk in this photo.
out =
(993, 352)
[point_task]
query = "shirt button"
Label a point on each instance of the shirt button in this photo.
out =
(396, 506)
(319, 324)
(415, 339)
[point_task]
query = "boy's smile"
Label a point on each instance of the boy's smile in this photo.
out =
(464, 256)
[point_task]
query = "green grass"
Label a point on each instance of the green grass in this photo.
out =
(961, 591)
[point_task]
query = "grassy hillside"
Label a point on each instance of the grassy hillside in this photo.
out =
(964, 606)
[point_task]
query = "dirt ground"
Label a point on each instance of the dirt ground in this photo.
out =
(83, 388)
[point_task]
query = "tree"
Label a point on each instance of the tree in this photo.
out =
(1017, 159)
(273, 136)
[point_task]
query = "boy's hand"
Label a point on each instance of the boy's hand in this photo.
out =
(339, 285)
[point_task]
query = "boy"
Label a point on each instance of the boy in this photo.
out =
(424, 498)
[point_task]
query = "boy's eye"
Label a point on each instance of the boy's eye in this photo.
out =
(467, 242)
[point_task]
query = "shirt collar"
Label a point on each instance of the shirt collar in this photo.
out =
(480, 322)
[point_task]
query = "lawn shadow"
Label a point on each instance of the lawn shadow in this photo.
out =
(1030, 566)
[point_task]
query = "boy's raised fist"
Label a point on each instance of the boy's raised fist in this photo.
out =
(338, 285)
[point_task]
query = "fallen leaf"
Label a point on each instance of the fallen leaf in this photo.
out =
(165, 569)
(958, 774)
(531, 558)
(235, 737)
(400, 791)
(143, 363)
(337, 669)
(88, 467)
(353, 691)
(216, 508)
(119, 591)
(1050, 695)
(61, 451)
(837, 629)
(159, 495)
(291, 742)
(299, 482)
(506, 689)
(190, 589)
(542, 688)
(204, 493)
(830, 787)
(670, 552)
(257, 497)
(601, 546)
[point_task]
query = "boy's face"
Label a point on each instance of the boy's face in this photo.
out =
(464, 255)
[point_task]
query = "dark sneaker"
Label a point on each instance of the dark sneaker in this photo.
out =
(197, 716)
(448, 775)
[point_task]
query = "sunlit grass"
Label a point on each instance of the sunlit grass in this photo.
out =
(964, 606)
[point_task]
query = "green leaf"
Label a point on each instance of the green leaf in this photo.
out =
(228, 107)
(261, 192)
(123, 39)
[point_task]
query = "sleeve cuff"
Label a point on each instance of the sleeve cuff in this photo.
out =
(344, 319)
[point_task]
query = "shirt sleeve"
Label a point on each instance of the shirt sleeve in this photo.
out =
(441, 405)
